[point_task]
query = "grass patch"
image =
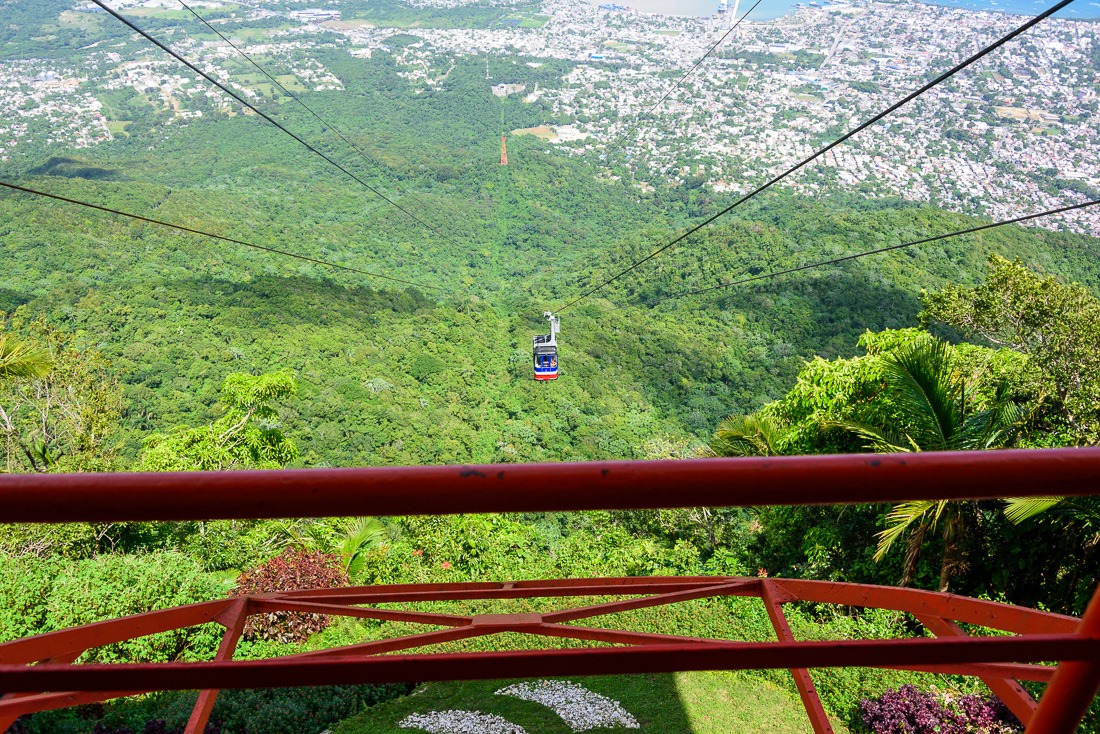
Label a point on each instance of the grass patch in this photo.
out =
(535, 21)
(71, 18)
(291, 82)
(541, 131)
(256, 34)
(164, 14)
(118, 127)
(680, 703)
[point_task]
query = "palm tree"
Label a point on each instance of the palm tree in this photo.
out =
(936, 410)
(21, 359)
(352, 540)
(1081, 513)
(748, 435)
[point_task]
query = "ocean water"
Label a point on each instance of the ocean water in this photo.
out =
(769, 9)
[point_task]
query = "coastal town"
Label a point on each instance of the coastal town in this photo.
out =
(1017, 132)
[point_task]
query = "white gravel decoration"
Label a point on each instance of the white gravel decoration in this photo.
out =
(578, 707)
(460, 722)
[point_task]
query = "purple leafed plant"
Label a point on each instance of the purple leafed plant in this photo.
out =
(909, 710)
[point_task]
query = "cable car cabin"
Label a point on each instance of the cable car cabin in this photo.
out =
(546, 358)
(545, 350)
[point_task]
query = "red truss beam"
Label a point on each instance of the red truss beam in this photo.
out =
(40, 673)
(1000, 661)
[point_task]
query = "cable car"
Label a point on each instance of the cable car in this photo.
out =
(546, 350)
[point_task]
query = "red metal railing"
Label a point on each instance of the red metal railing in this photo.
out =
(38, 672)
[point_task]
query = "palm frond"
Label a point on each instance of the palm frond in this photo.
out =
(294, 535)
(22, 360)
(881, 440)
(1019, 509)
(748, 435)
(364, 534)
(901, 518)
(995, 427)
(919, 377)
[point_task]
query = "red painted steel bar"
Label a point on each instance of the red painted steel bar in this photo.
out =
(79, 639)
(1007, 617)
(393, 644)
(1018, 700)
(621, 637)
(322, 670)
(441, 490)
(10, 714)
(915, 601)
(1076, 683)
(384, 594)
(599, 610)
(200, 714)
(12, 709)
(1016, 671)
(803, 682)
(390, 615)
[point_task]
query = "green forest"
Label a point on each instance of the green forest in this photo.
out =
(126, 346)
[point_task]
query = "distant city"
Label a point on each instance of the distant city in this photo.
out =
(1016, 133)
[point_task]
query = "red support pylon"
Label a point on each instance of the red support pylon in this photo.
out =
(503, 151)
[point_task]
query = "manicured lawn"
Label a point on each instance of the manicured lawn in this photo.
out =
(681, 703)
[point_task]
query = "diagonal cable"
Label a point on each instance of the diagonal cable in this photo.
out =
(858, 255)
(814, 156)
(328, 125)
(269, 119)
(183, 228)
(649, 113)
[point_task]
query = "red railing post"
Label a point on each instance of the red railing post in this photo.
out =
(6, 720)
(773, 597)
(1068, 696)
(1018, 700)
(235, 618)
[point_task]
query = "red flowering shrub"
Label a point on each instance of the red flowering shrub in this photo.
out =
(293, 570)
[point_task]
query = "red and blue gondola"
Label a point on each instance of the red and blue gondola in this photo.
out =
(546, 362)
(545, 350)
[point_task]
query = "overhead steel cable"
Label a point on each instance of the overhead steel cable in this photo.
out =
(858, 255)
(235, 241)
(163, 47)
(822, 151)
(328, 125)
(646, 115)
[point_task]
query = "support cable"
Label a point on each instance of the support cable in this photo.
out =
(362, 154)
(909, 98)
(189, 230)
(846, 258)
(269, 119)
(648, 113)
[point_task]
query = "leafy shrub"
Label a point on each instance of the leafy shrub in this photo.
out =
(269, 711)
(294, 569)
(44, 595)
(24, 593)
(295, 710)
(908, 710)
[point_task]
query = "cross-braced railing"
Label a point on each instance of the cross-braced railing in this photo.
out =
(40, 672)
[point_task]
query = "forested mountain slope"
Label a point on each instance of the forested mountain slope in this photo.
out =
(439, 373)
